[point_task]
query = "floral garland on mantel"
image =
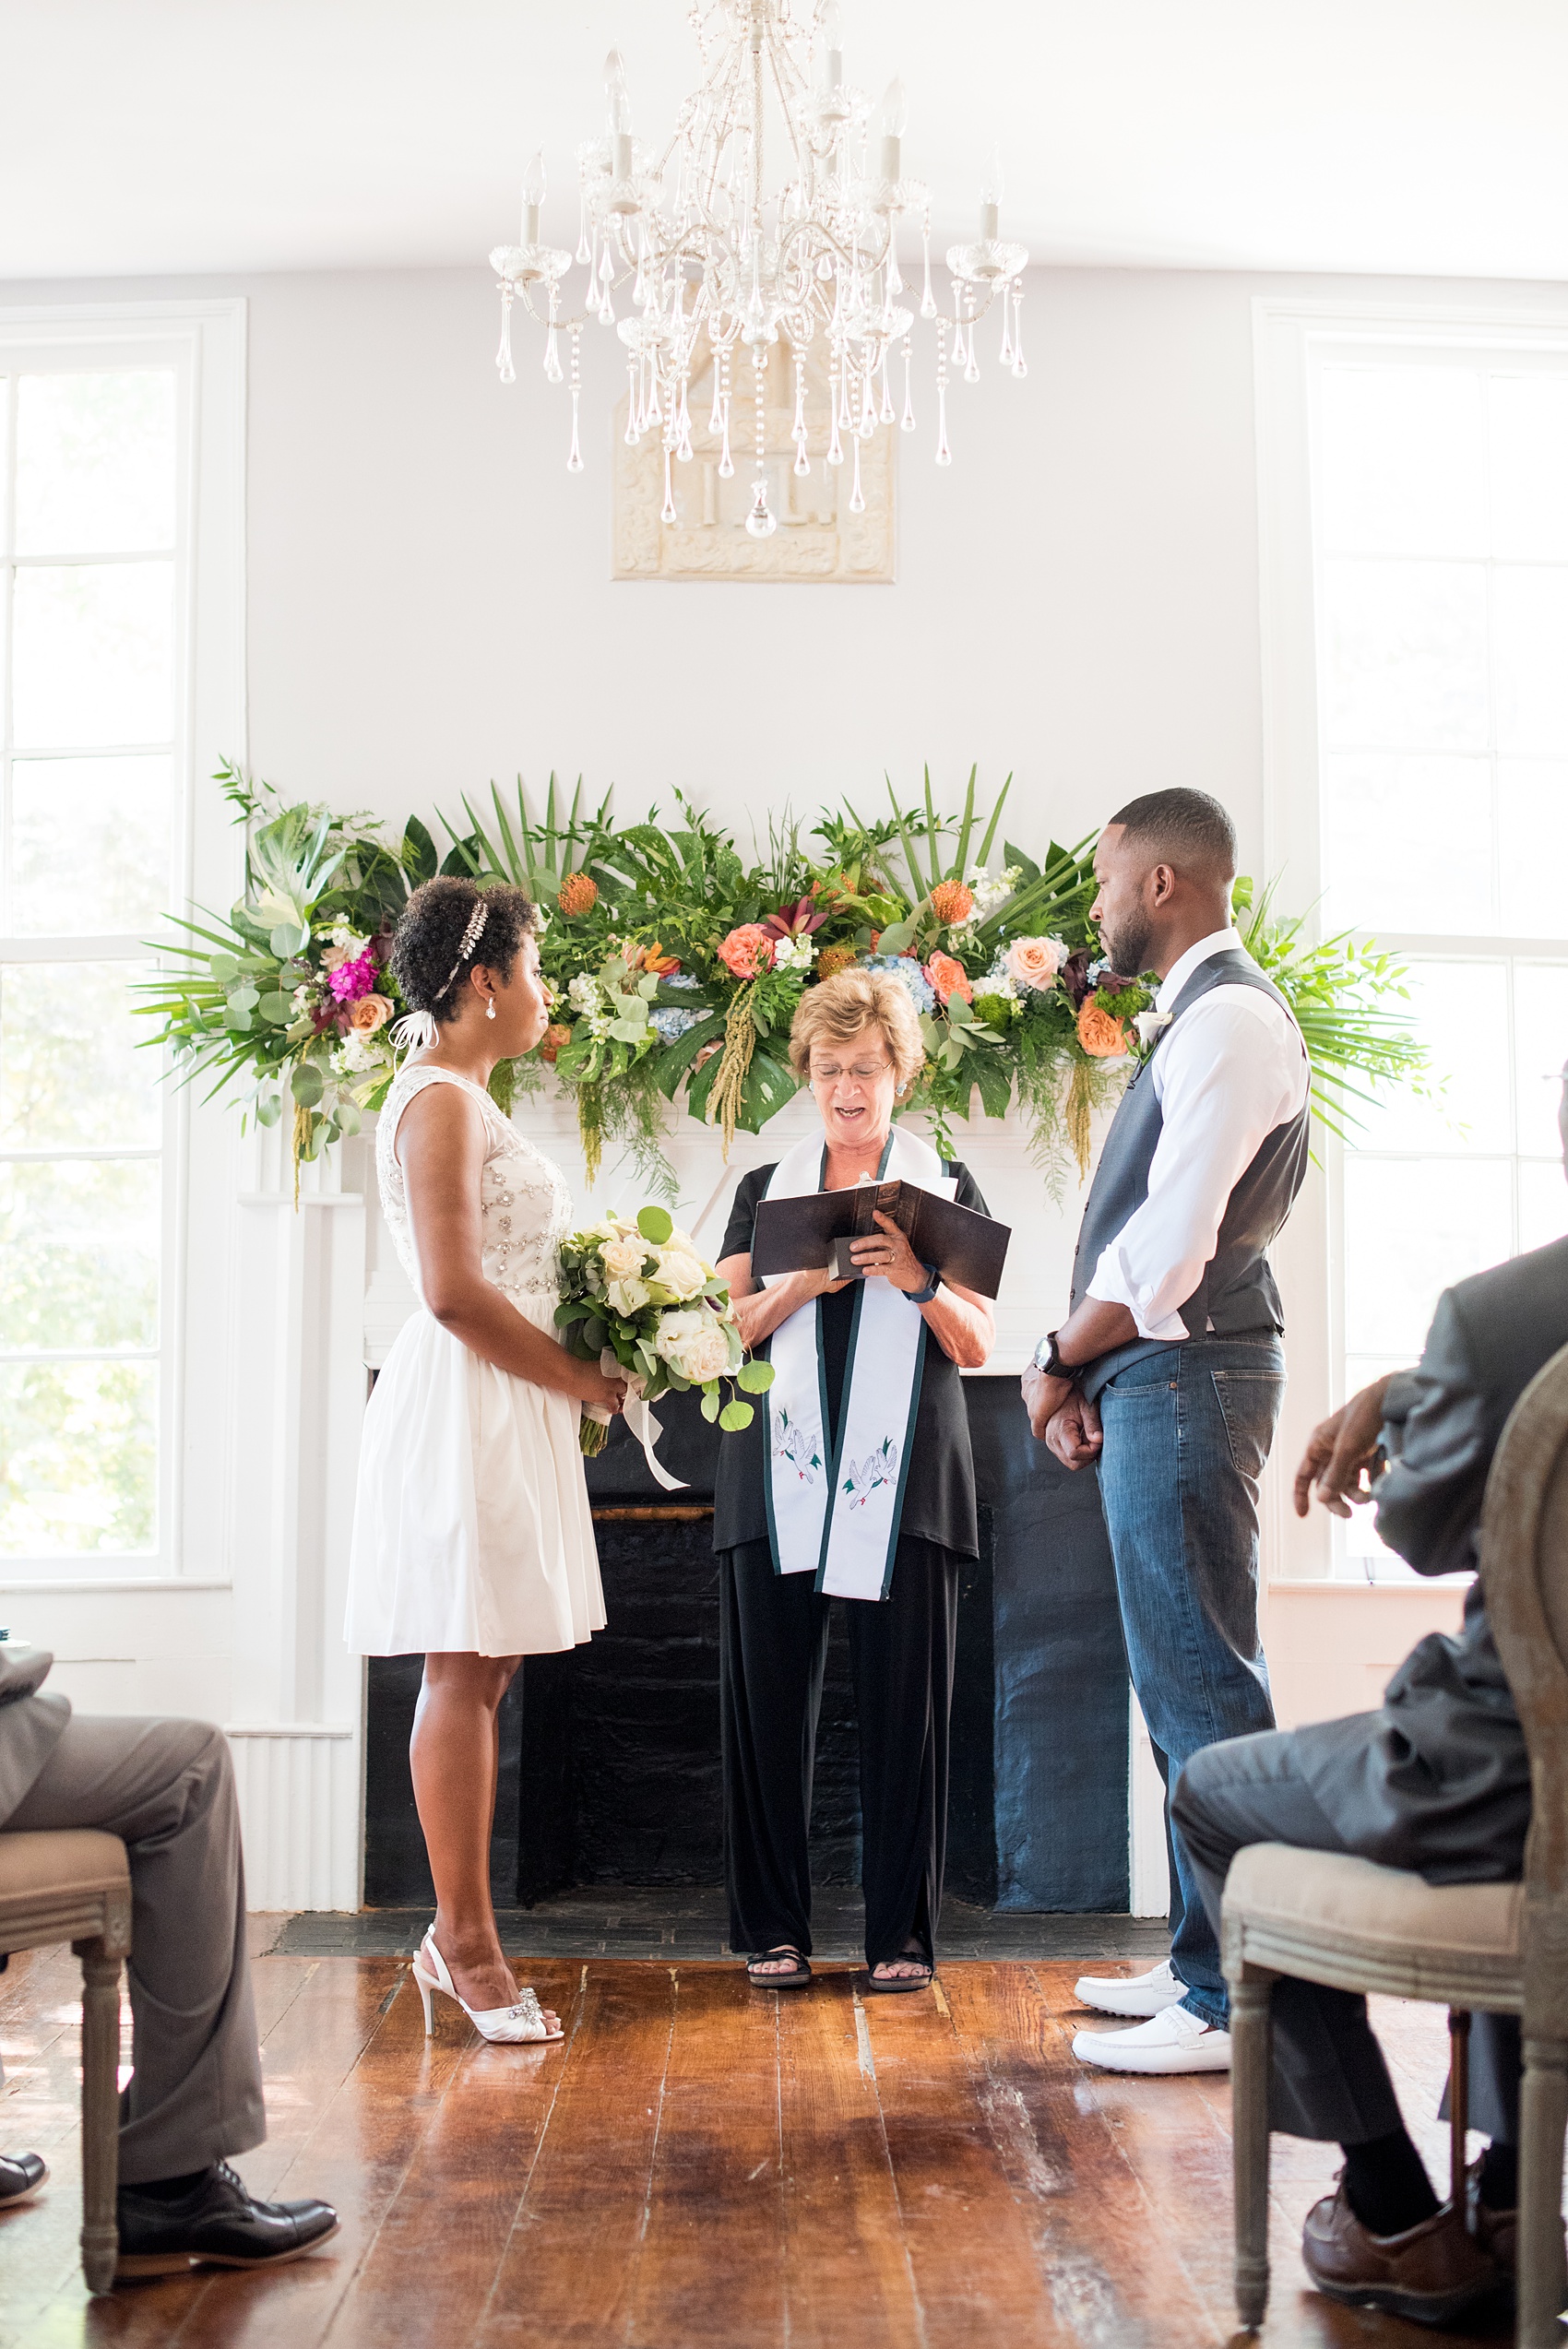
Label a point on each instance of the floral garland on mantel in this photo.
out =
(676, 967)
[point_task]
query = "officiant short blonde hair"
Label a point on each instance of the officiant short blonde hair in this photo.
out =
(846, 1007)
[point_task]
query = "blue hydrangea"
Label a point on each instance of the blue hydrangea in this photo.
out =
(672, 1024)
(921, 993)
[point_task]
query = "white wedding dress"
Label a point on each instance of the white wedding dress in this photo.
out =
(471, 1524)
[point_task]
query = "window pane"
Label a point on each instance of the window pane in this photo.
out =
(1390, 827)
(1403, 460)
(78, 1253)
(72, 1076)
(1412, 1227)
(1405, 656)
(91, 846)
(1532, 823)
(1529, 466)
(78, 1458)
(1530, 641)
(1541, 1046)
(95, 462)
(94, 647)
(1543, 1203)
(1460, 1013)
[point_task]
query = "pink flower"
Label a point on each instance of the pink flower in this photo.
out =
(949, 977)
(1033, 962)
(747, 951)
(350, 981)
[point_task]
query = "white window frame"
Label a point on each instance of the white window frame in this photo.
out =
(1289, 336)
(203, 343)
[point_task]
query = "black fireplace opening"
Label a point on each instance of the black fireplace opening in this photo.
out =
(609, 1771)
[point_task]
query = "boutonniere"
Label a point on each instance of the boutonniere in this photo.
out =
(1149, 1025)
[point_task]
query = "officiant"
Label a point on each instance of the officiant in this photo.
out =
(854, 1481)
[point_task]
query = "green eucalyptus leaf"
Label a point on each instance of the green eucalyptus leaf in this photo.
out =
(306, 1085)
(711, 1404)
(276, 1010)
(756, 1376)
(656, 1223)
(289, 938)
(268, 1109)
(895, 937)
(736, 1415)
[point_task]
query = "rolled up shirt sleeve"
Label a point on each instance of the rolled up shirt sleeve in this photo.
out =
(1232, 1070)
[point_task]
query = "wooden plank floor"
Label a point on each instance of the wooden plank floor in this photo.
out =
(701, 2164)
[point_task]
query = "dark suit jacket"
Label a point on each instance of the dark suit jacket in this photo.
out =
(1439, 1780)
(30, 1722)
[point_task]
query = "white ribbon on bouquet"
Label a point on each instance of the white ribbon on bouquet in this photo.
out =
(638, 1416)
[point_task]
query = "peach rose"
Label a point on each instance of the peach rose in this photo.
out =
(1103, 1038)
(747, 951)
(950, 978)
(369, 1012)
(1033, 962)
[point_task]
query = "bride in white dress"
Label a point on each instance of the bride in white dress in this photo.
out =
(472, 1542)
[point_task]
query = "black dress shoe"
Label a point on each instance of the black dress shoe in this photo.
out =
(218, 2223)
(22, 2175)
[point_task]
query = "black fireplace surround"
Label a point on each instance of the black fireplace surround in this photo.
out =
(609, 1752)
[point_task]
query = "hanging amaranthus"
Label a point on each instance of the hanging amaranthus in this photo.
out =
(724, 1099)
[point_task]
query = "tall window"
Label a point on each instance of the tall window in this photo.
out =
(92, 757)
(1440, 522)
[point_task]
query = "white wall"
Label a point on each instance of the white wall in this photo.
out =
(429, 606)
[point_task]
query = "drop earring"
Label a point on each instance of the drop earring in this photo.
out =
(489, 1008)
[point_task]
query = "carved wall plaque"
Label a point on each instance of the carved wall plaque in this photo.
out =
(819, 536)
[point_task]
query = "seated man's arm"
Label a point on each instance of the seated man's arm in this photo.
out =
(1440, 1433)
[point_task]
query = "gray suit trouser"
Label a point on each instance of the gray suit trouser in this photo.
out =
(167, 1788)
(1329, 2078)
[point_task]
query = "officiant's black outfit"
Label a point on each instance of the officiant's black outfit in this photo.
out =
(773, 1646)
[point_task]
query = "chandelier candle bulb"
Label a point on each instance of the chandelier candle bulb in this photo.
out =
(533, 199)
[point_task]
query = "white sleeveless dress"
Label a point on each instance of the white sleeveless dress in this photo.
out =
(471, 1524)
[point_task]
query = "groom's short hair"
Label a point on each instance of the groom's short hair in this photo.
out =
(1187, 830)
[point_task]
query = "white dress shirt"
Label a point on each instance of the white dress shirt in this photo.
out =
(1233, 1068)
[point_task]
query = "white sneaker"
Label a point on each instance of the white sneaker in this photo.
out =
(1175, 2041)
(1131, 1993)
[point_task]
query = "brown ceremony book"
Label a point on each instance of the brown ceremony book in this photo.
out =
(798, 1235)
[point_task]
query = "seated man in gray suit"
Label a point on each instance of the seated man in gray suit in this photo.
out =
(1437, 1781)
(167, 1788)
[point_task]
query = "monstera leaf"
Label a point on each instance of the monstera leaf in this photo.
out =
(290, 863)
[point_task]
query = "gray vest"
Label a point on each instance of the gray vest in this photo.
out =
(1236, 1293)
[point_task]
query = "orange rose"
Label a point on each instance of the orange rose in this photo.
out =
(950, 901)
(369, 1012)
(553, 1040)
(1103, 1038)
(747, 951)
(948, 978)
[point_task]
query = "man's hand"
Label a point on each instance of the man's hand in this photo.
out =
(1340, 1453)
(1043, 1398)
(1074, 1434)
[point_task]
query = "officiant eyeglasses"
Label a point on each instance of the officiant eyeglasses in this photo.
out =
(862, 1073)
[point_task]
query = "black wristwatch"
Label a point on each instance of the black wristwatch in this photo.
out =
(1047, 1359)
(933, 1283)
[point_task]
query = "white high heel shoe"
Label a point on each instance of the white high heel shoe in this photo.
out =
(506, 2025)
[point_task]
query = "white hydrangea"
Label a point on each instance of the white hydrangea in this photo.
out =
(358, 1055)
(989, 890)
(583, 992)
(795, 953)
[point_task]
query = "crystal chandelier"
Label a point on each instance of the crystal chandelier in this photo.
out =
(714, 256)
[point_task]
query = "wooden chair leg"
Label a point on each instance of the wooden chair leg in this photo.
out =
(1459, 2109)
(1542, 2285)
(101, 2113)
(1251, 2038)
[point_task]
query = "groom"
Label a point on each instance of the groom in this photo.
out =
(1168, 1370)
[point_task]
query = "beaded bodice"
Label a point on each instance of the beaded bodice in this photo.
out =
(526, 1206)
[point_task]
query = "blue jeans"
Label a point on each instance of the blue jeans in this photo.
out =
(1187, 1432)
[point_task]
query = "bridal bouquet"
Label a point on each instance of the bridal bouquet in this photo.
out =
(639, 1294)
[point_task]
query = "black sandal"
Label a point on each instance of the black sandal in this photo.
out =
(800, 1974)
(920, 1981)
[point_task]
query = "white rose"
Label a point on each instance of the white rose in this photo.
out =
(679, 1271)
(622, 1258)
(699, 1353)
(628, 1296)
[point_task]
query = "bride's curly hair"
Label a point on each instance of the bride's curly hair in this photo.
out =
(429, 954)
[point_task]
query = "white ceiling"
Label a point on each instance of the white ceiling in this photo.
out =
(1423, 136)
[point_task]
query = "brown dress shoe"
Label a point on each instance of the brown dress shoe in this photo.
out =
(1431, 2274)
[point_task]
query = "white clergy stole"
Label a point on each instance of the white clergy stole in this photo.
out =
(833, 1510)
